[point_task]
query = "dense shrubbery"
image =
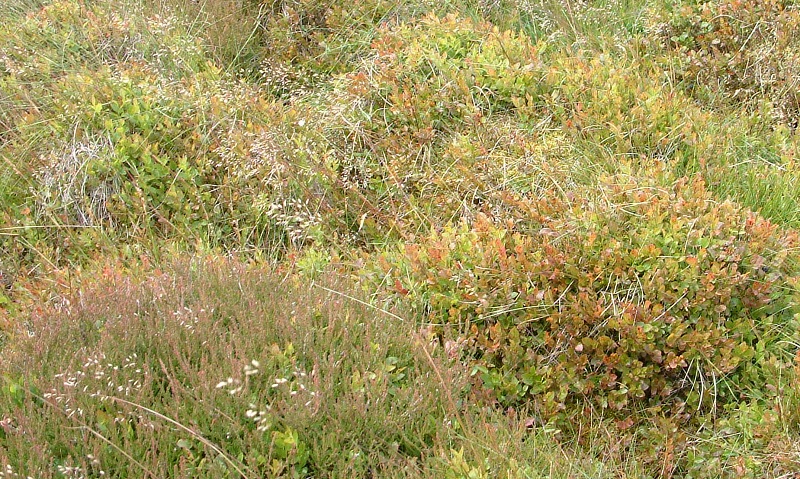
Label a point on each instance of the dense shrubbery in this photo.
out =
(641, 297)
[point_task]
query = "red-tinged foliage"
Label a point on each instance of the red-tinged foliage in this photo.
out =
(649, 296)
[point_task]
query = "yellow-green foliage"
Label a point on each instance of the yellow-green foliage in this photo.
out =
(425, 103)
(141, 141)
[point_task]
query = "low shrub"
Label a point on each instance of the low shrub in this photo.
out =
(640, 297)
(126, 148)
(218, 369)
(136, 157)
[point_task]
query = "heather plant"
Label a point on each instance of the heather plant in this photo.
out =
(207, 367)
(214, 368)
(193, 376)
